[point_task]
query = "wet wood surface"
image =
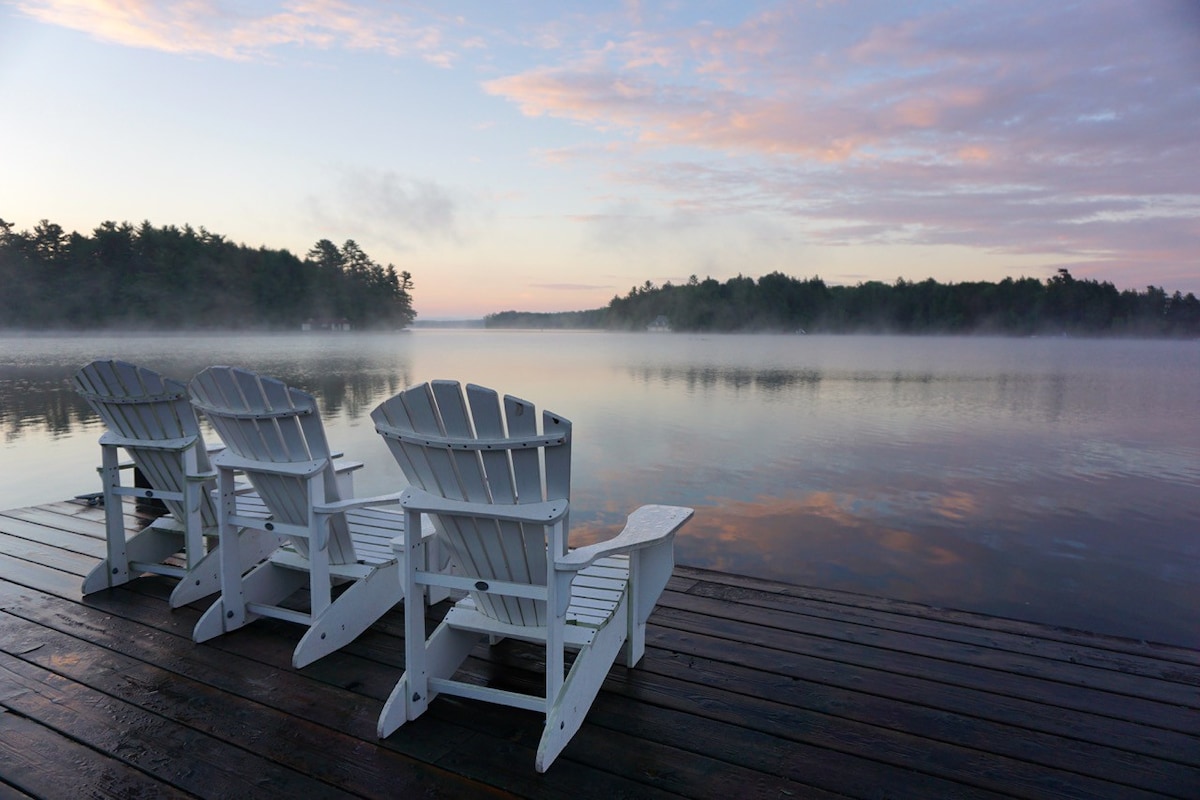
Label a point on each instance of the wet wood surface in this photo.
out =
(748, 689)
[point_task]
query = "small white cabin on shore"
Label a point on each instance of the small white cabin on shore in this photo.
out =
(342, 324)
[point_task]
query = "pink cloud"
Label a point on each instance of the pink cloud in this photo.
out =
(1016, 126)
(224, 30)
(977, 123)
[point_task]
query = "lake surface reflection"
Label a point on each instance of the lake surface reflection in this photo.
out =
(1055, 480)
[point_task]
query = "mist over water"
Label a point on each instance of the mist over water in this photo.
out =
(1055, 480)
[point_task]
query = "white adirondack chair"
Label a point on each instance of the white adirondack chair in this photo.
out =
(274, 437)
(497, 492)
(149, 417)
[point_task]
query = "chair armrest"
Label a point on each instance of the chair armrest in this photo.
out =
(298, 469)
(338, 455)
(647, 526)
(428, 531)
(113, 440)
(357, 502)
(545, 513)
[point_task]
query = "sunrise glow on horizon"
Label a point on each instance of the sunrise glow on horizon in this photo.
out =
(546, 156)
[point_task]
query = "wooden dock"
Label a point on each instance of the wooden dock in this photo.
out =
(749, 689)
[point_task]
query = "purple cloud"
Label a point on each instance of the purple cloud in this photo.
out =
(1020, 127)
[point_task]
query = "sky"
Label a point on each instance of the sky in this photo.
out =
(546, 156)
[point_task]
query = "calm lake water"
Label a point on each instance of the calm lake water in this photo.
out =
(1054, 480)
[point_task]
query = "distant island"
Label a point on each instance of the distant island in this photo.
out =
(169, 278)
(779, 303)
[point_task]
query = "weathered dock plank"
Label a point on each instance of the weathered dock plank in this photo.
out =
(748, 689)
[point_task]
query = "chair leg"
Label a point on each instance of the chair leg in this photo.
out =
(580, 688)
(635, 644)
(211, 623)
(355, 610)
(205, 578)
(440, 658)
(148, 547)
(396, 710)
(635, 639)
(267, 584)
(201, 581)
(101, 577)
(114, 570)
(649, 571)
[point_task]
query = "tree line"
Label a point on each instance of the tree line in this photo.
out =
(147, 277)
(777, 302)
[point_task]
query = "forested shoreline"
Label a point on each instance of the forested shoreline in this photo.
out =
(777, 302)
(169, 278)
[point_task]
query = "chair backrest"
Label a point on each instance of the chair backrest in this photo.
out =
(262, 419)
(472, 446)
(140, 405)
